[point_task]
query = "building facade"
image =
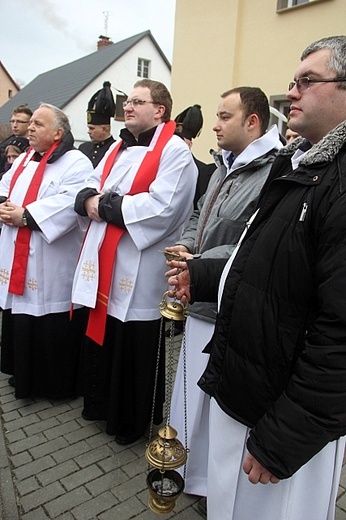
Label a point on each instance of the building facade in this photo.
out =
(228, 43)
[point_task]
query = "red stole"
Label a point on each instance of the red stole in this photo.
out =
(146, 174)
(22, 245)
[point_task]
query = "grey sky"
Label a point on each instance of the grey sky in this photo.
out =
(40, 35)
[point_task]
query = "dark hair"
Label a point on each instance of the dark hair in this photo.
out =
(160, 95)
(254, 101)
(337, 60)
(22, 109)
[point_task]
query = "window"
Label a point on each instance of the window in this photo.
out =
(289, 4)
(143, 68)
(9, 93)
(119, 111)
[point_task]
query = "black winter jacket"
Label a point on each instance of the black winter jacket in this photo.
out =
(278, 355)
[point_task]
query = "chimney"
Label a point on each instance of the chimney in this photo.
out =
(104, 41)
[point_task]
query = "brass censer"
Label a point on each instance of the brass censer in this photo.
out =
(166, 453)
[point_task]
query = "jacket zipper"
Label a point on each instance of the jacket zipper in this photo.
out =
(304, 211)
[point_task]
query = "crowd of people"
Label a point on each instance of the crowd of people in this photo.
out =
(261, 265)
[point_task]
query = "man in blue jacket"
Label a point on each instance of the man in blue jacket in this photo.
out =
(277, 369)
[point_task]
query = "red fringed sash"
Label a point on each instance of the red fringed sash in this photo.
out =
(22, 245)
(146, 174)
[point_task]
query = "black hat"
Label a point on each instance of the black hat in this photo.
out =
(20, 142)
(190, 122)
(101, 106)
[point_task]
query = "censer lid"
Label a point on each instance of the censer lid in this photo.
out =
(172, 310)
(166, 451)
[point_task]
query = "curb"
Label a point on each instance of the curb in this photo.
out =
(8, 502)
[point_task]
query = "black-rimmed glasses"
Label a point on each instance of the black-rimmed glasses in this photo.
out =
(137, 102)
(304, 83)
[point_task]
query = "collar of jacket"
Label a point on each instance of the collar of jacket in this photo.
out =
(256, 149)
(65, 145)
(323, 151)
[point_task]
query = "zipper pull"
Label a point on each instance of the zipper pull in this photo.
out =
(303, 213)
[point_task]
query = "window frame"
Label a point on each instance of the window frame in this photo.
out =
(282, 104)
(283, 6)
(119, 110)
(143, 67)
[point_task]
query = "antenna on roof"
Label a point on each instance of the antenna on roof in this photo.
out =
(106, 15)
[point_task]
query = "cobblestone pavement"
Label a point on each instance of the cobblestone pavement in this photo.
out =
(56, 465)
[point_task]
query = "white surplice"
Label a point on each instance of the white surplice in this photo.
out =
(53, 250)
(310, 494)
(153, 220)
(198, 332)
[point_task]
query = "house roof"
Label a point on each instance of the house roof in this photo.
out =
(9, 75)
(61, 85)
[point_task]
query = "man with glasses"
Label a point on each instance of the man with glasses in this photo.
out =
(137, 202)
(277, 368)
(20, 120)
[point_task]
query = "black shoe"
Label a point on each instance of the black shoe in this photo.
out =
(92, 417)
(126, 435)
(12, 381)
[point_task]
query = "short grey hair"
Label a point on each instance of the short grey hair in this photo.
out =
(60, 118)
(337, 60)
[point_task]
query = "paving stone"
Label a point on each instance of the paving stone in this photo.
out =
(130, 487)
(17, 435)
(41, 426)
(82, 433)
(128, 509)
(106, 482)
(27, 486)
(42, 496)
(54, 411)
(100, 439)
(37, 514)
(10, 416)
(71, 451)
(342, 502)
(26, 444)
(343, 480)
(21, 459)
(21, 422)
(83, 476)
(70, 415)
(35, 407)
(48, 447)
(136, 467)
(34, 467)
(97, 455)
(62, 430)
(67, 502)
(118, 460)
(92, 509)
(57, 472)
(340, 514)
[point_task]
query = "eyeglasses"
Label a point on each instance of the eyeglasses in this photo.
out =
(137, 102)
(304, 83)
(19, 122)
